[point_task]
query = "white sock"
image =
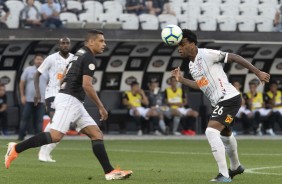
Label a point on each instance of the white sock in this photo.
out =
(218, 150)
(176, 121)
(162, 125)
(230, 144)
(47, 149)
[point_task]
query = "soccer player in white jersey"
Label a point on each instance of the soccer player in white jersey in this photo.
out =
(69, 108)
(205, 66)
(55, 65)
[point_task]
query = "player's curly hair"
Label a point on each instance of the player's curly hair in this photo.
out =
(190, 35)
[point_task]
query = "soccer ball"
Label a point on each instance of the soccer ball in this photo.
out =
(171, 34)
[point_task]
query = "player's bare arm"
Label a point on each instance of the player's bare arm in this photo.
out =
(37, 96)
(263, 76)
(91, 93)
(22, 86)
(144, 99)
(187, 82)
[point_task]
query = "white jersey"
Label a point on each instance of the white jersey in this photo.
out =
(208, 72)
(54, 65)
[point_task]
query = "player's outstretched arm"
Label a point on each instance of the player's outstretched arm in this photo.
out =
(37, 96)
(187, 82)
(91, 93)
(263, 76)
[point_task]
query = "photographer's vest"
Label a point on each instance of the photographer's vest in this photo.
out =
(277, 98)
(257, 100)
(174, 96)
(134, 100)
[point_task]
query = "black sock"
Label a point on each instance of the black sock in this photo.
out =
(35, 141)
(101, 154)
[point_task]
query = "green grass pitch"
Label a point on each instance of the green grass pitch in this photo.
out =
(152, 161)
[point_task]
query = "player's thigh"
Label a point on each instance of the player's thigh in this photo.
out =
(224, 112)
(50, 107)
(67, 111)
(87, 125)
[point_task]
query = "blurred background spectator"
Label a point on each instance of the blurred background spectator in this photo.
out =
(154, 6)
(3, 110)
(4, 13)
(30, 16)
(27, 92)
(50, 12)
(136, 6)
(167, 8)
(278, 18)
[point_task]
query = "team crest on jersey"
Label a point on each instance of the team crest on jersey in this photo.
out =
(91, 66)
(228, 119)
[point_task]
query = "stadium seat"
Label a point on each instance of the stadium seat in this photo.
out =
(15, 9)
(250, 2)
(229, 10)
(207, 23)
(233, 2)
(271, 2)
(267, 10)
(176, 7)
(166, 19)
(89, 21)
(211, 1)
(93, 6)
(226, 23)
(248, 11)
(113, 7)
(149, 22)
(246, 23)
(129, 21)
(188, 22)
(71, 4)
(109, 21)
(122, 2)
(264, 24)
(191, 9)
(210, 9)
(70, 20)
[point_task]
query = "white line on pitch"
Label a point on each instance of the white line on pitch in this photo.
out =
(256, 170)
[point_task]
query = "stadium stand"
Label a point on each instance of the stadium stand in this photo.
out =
(257, 13)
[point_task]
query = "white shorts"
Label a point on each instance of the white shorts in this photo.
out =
(263, 111)
(142, 111)
(183, 111)
(69, 109)
(243, 110)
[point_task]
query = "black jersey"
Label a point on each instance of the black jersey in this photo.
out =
(83, 63)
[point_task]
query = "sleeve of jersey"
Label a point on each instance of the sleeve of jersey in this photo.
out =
(44, 66)
(5, 99)
(218, 56)
(24, 75)
(88, 66)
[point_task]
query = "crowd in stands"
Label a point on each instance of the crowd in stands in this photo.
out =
(206, 15)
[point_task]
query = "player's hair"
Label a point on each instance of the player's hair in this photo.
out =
(134, 83)
(93, 33)
(190, 35)
(63, 37)
(38, 54)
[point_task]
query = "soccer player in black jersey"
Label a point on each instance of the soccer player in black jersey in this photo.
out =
(69, 108)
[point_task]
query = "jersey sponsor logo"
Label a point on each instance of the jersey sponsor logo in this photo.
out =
(60, 76)
(202, 82)
(228, 119)
(91, 66)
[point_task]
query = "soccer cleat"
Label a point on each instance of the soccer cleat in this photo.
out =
(11, 154)
(118, 174)
(45, 158)
(239, 170)
(221, 179)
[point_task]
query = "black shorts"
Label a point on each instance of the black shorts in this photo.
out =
(225, 111)
(49, 105)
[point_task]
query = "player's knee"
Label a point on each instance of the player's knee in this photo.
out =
(97, 135)
(56, 136)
